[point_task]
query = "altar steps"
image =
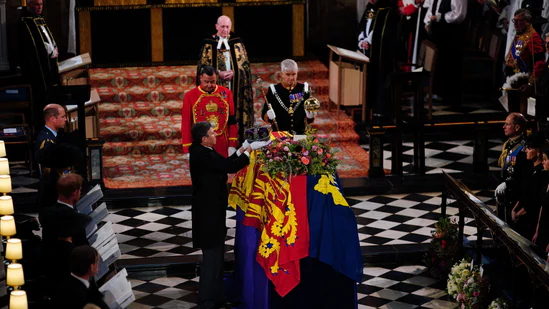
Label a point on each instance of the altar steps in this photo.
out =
(140, 121)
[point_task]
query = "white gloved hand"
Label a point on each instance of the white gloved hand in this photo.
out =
(271, 114)
(245, 145)
(186, 156)
(500, 192)
(231, 151)
(310, 115)
(257, 145)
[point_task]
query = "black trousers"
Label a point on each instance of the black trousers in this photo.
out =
(210, 287)
(448, 39)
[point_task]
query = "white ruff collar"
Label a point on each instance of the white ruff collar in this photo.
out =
(223, 41)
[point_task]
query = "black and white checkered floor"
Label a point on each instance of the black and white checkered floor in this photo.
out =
(397, 287)
(382, 221)
(447, 156)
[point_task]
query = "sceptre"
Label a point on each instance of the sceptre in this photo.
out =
(260, 81)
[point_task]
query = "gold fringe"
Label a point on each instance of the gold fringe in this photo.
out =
(118, 2)
(183, 5)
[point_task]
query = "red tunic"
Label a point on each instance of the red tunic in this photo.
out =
(527, 54)
(218, 109)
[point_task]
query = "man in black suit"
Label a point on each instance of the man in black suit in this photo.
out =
(77, 290)
(54, 219)
(209, 205)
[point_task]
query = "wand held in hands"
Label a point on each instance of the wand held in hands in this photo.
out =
(260, 81)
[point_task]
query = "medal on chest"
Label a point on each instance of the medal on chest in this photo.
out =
(518, 47)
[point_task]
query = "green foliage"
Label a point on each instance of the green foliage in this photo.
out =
(444, 250)
(309, 156)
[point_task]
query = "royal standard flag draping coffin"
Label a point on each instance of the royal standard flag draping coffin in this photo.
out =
(277, 207)
(332, 225)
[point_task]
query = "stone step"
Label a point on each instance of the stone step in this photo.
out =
(145, 147)
(140, 108)
(145, 171)
(165, 92)
(153, 77)
(142, 128)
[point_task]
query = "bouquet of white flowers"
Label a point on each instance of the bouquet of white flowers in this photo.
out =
(498, 303)
(466, 285)
(459, 273)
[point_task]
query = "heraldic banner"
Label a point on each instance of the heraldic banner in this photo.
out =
(297, 217)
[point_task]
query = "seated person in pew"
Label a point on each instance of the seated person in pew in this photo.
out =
(79, 289)
(59, 158)
(63, 212)
(285, 101)
(58, 251)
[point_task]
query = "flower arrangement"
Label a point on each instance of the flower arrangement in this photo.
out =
(458, 274)
(444, 250)
(498, 303)
(308, 156)
(466, 285)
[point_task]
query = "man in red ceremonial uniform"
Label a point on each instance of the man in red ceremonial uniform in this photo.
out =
(526, 55)
(214, 104)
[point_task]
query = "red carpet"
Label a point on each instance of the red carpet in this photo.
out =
(140, 119)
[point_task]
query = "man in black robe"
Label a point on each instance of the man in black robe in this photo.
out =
(366, 27)
(383, 53)
(443, 22)
(226, 53)
(38, 56)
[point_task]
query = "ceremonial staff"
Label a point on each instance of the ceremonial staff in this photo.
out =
(414, 54)
(260, 81)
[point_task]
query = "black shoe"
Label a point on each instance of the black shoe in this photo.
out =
(229, 304)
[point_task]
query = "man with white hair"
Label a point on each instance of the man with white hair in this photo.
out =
(226, 53)
(525, 55)
(286, 100)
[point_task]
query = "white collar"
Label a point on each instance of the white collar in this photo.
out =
(223, 41)
(52, 131)
(85, 282)
(58, 201)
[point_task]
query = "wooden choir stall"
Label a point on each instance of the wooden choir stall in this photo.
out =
(81, 102)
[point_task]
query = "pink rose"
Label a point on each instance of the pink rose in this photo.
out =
(305, 160)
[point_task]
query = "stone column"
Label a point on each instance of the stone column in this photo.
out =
(4, 64)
